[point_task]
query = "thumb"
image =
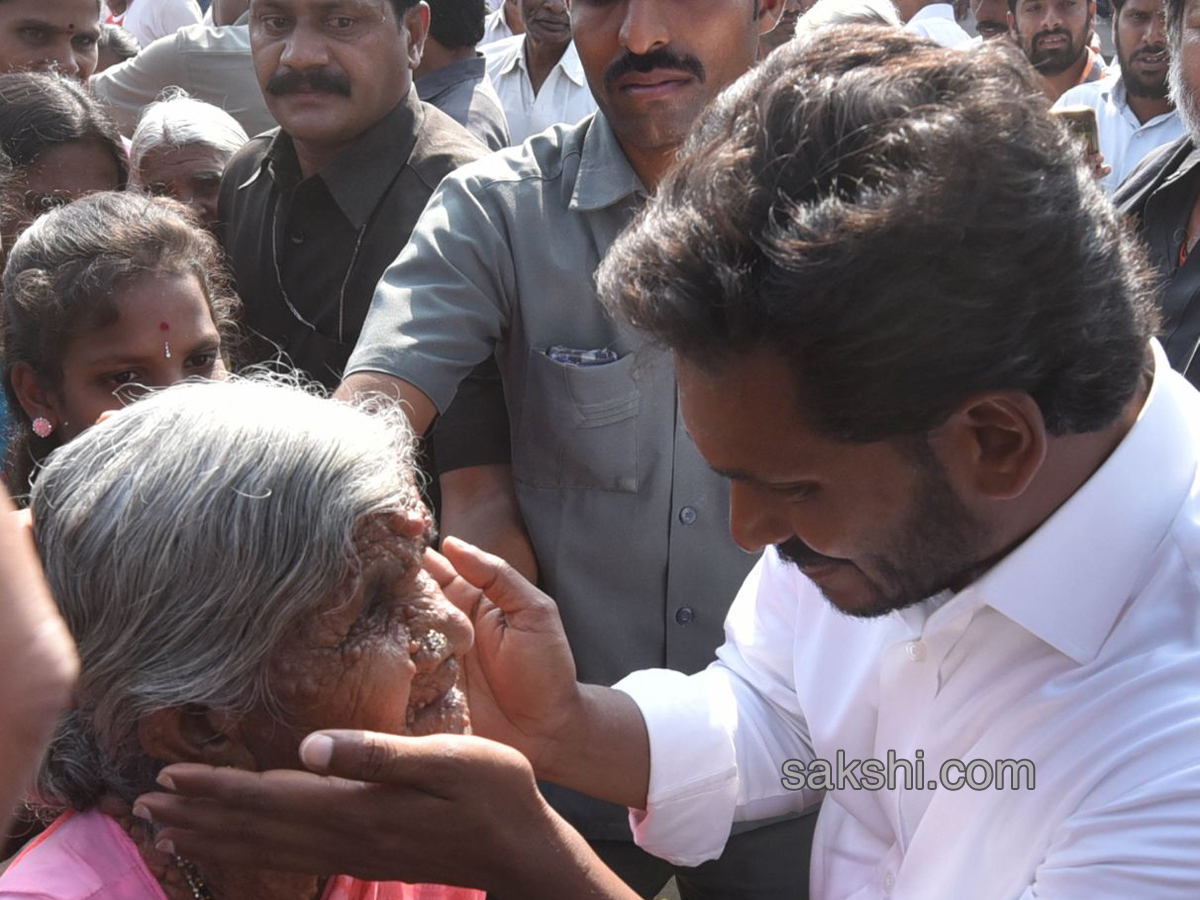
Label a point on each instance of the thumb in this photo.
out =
(375, 757)
(504, 586)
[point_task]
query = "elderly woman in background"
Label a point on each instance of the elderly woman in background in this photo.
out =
(61, 144)
(253, 560)
(180, 149)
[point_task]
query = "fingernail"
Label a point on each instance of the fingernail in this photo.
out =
(317, 751)
(166, 781)
(142, 813)
(167, 847)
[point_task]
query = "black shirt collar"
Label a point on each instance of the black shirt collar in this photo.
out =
(358, 178)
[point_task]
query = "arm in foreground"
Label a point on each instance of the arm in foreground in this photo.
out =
(38, 664)
(442, 809)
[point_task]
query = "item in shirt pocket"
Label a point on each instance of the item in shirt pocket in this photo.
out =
(572, 357)
(1081, 122)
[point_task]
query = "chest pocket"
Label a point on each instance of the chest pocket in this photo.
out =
(578, 425)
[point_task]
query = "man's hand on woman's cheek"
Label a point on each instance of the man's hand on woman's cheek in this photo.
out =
(442, 809)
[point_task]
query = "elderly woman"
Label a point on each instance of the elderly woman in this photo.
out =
(180, 149)
(240, 564)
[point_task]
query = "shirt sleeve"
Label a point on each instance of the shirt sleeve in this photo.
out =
(474, 431)
(719, 739)
(441, 308)
(128, 87)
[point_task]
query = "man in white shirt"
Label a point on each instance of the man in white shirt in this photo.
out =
(149, 20)
(933, 20)
(502, 22)
(978, 483)
(538, 75)
(1133, 111)
(211, 62)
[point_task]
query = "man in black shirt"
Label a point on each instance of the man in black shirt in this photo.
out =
(1162, 196)
(313, 212)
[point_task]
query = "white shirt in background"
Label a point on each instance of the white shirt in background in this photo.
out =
(1124, 140)
(495, 28)
(936, 22)
(148, 20)
(564, 97)
(1079, 651)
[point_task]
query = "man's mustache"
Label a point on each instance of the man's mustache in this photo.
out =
(291, 81)
(662, 58)
(800, 554)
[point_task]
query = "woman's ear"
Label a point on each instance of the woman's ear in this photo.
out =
(194, 733)
(34, 399)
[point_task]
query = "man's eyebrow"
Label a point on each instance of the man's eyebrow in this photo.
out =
(736, 475)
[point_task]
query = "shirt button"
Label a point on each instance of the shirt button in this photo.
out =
(889, 883)
(684, 615)
(915, 650)
(687, 515)
(296, 237)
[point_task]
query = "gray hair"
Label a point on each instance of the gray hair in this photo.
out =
(178, 120)
(1182, 95)
(824, 13)
(189, 536)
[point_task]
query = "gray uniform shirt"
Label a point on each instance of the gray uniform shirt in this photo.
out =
(629, 524)
(463, 91)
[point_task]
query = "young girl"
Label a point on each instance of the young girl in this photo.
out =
(103, 298)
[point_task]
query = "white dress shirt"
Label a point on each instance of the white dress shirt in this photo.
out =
(1079, 651)
(1124, 140)
(495, 28)
(563, 99)
(149, 20)
(936, 22)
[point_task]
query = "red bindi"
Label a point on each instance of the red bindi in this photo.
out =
(164, 326)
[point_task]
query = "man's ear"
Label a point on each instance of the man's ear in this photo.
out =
(769, 14)
(194, 733)
(1012, 23)
(416, 24)
(35, 400)
(993, 445)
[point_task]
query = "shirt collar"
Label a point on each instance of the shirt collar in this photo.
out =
(243, 19)
(358, 178)
(605, 176)
(569, 62)
(1068, 582)
(470, 69)
(935, 11)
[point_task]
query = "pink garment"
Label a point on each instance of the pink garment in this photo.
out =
(87, 856)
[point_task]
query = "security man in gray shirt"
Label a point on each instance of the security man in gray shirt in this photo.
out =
(626, 521)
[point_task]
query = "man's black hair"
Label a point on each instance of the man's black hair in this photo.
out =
(457, 23)
(907, 227)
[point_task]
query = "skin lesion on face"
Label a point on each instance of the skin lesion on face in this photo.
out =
(383, 652)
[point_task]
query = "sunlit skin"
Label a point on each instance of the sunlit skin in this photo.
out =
(36, 35)
(358, 44)
(880, 528)
(1140, 38)
(381, 653)
(106, 366)
(59, 174)
(190, 174)
(651, 112)
(1054, 36)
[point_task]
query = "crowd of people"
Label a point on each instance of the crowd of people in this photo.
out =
(512, 450)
